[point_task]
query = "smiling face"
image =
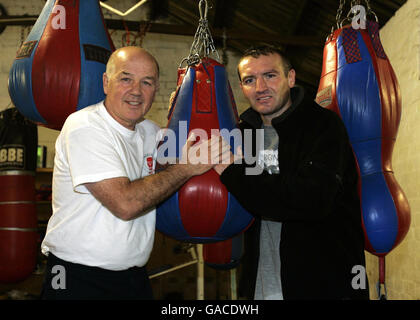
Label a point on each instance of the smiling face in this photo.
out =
(130, 85)
(265, 85)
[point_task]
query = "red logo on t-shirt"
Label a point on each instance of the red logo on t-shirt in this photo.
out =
(149, 161)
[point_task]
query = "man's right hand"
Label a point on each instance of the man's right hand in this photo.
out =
(204, 155)
(228, 159)
(129, 199)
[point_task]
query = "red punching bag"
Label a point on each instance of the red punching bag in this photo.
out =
(18, 220)
(224, 255)
(202, 210)
(359, 84)
(58, 69)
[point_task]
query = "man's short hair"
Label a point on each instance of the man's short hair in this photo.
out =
(256, 51)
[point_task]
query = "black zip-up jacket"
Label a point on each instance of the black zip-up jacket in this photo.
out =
(315, 196)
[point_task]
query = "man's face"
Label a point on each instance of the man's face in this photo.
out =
(130, 88)
(265, 85)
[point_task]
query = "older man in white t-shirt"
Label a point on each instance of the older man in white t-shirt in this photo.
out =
(101, 233)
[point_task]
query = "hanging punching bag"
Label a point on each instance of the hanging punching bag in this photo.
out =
(224, 255)
(359, 84)
(58, 69)
(202, 210)
(18, 221)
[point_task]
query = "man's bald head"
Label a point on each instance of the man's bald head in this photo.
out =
(126, 53)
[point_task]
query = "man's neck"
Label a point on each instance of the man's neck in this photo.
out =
(266, 119)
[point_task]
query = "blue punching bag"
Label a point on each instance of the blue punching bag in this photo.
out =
(202, 211)
(59, 67)
(359, 84)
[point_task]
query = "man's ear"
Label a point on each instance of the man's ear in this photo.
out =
(291, 78)
(105, 82)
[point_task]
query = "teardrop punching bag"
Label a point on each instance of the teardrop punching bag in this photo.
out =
(359, 84)
(58, 69)
(202, 210)
(224, 255)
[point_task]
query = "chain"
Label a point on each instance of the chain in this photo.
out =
(353, 9)
(203, 44)
(370, 11)
(358, 3)
(353, 3)
(340, 12)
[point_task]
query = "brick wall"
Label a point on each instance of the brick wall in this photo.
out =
(168, 49)
(401, 40)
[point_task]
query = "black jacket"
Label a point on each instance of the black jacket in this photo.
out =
(315, 196)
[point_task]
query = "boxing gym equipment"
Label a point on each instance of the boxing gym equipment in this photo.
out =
(58, 68)
(18, 220)
(202, 211)
(359, 84)
(224, 255)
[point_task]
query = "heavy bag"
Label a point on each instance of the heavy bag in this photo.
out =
(18, 142)
(224, 255)
(18, 220)
(58, 69)
(202, 210)
(359, 84)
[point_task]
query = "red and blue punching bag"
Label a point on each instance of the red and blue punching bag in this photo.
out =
(224, 255)
(202, 210)
(359, 84)
(58, 69)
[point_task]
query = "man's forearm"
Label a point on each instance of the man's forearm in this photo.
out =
(149, 191)
(129, 199)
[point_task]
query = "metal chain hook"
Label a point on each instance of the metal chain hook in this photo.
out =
(340, 12)
(354, 4)
(206, 8)
(203, 44)
(370, 11)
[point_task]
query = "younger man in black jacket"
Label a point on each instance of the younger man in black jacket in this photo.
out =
(307, 241)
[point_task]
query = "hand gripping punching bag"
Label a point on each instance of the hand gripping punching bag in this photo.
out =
(359, 84)
(58, 69)
(18, 221)
(202, 210)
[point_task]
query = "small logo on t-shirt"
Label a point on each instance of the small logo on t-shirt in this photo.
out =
(269, 160)
(149, 162)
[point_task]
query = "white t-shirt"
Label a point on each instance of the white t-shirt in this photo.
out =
(91, 147)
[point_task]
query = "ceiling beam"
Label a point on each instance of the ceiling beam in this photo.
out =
(117, 24)
(181, 12)
(223, 11)
(159, 9)
(299, 15)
